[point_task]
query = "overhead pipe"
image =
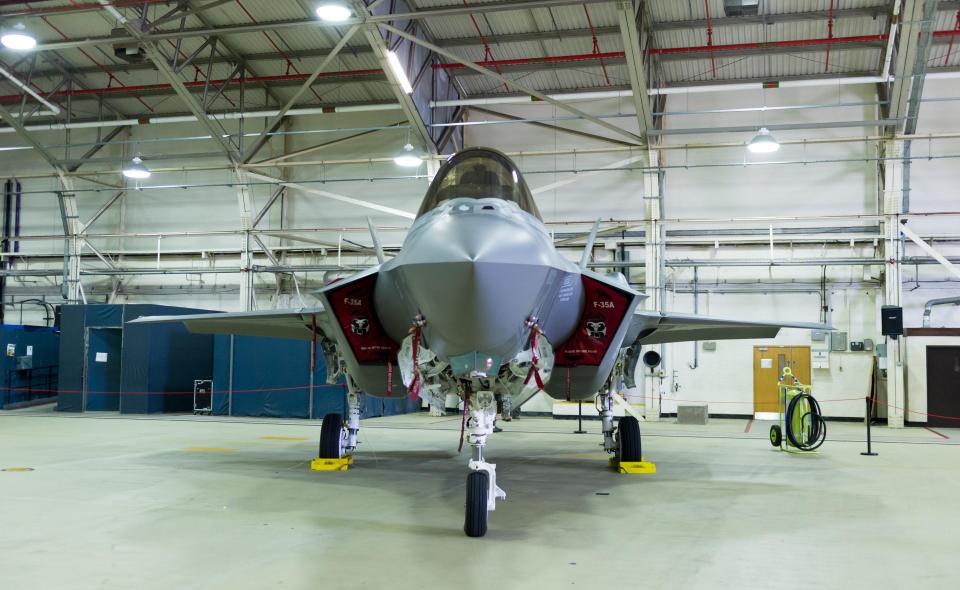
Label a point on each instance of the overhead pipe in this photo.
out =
(705, 88)
(191, 84)
(823, 41)
(16, 224)
(213, 116)
(528, 61)
(16, 82)
(5, 243)
(929, 305)
(75, 8)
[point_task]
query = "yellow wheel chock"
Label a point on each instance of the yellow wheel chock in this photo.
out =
(641, 466)
(341, 464)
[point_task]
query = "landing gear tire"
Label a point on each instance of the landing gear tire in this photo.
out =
(776, 435)
(475, 521)
(331, 437)
(629, 431)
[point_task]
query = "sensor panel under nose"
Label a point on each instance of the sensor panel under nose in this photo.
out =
(475, 363)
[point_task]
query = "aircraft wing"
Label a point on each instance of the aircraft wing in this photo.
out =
(280, 323)
(651, 327)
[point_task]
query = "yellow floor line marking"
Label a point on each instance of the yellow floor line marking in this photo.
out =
(585, 456)
(283, 438)
(210, 449)
(17, 469)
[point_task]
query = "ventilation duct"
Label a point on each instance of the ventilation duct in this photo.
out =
(129, 51)
(741, 7)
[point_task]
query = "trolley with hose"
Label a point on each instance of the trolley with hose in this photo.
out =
(800, 426)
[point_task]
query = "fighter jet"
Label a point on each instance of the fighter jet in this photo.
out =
(478, 303)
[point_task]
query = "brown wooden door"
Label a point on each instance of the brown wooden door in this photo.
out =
(943, 385)
(768, 365)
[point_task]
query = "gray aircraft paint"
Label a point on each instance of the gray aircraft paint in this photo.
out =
(476, 268)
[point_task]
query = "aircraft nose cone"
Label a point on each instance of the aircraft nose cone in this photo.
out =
(476, 278)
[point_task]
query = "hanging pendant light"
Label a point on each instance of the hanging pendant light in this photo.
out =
(763, 142)
(17, 38)
(333, 12)
(408, 158)
(136, 170)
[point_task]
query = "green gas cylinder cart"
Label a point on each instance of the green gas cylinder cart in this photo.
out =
(800, 426)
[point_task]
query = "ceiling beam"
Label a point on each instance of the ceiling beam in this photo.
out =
(407, 59)
(277, 119)
(437, 13)
(559, 35)
(875, 11)
(513, 83)
(231, 50)
(627, 18)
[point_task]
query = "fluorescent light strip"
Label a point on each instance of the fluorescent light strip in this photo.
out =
(398, 72)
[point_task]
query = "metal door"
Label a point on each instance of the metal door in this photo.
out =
(101, 374)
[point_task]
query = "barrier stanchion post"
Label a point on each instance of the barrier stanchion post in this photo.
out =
(869, 419)
(579, 429)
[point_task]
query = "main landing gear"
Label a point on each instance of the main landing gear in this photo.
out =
(624, 440)
(338, 439)
(482, 489)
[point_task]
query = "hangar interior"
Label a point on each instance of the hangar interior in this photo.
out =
(770, 160)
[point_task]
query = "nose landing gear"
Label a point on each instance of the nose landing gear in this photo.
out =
(482, 489)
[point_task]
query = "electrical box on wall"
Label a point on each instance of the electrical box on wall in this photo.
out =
(838, 341)
(818, 335)
(710, 346)
(820, 359)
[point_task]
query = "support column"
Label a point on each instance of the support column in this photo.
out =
(247, 293)
(71, 288)
(653, 273)
(893, 286)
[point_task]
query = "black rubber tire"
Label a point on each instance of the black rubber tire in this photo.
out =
(630, 448)
(475, 520)
(776, 436)
(330, 431)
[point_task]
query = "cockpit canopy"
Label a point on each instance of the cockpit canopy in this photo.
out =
(479, 173)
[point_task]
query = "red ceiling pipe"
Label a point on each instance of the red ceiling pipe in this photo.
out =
(713, 63)
(674, 50)
(517, 61)
(827, 41)
(533, 60)
(826, 65)
(49, 10)
(946, 58)
(250, 80)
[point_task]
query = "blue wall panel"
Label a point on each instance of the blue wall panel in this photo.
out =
(72, 319)
(159, 363)
(220, 404)
(271, 377)
(43, 344)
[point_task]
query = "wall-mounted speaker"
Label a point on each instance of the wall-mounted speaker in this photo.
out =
(891, 320)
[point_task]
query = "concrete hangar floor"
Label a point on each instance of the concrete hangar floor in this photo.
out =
(198, 503)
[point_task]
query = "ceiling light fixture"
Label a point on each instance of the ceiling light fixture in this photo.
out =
(763, 142)
(399, 72)
(336, 13)
(408, 158)
(18, 38)
(136, 170)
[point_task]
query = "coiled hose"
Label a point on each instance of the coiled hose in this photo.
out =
(813, 428)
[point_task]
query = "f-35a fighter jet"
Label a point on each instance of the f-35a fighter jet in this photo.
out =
(479, 303)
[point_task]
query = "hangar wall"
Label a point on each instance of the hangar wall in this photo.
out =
(833, 187)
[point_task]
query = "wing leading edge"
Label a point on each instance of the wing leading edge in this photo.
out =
(288, 323)
(651, 327)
